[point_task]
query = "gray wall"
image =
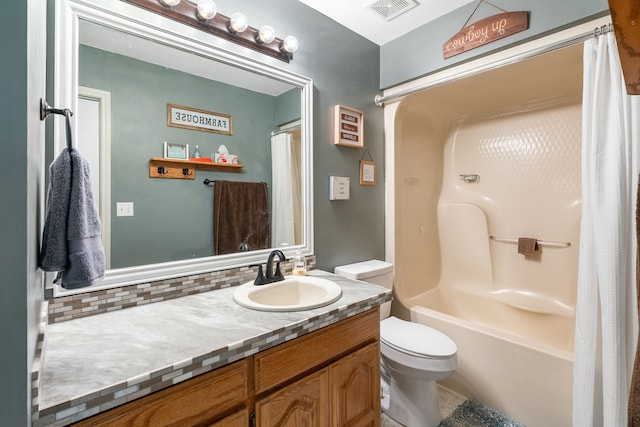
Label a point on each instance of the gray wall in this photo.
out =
(173, 217)
(22, 27)
(419, 52)
(345, 70)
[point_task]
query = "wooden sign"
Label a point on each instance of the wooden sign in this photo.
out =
(485, 31)
(348, 126)
(180, 116)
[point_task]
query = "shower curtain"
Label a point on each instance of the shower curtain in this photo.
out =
(606, 313)
(285, 198)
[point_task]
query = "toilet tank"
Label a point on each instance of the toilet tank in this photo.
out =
(372, 271)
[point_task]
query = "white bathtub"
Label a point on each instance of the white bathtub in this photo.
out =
(518, 362)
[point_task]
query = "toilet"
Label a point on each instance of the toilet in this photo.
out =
(412, 356)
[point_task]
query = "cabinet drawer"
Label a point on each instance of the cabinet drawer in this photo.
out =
(196, 401)
(286, 361)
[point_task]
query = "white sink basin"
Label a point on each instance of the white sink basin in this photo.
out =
(292, 294)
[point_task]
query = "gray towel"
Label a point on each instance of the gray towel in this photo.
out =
(71, 239)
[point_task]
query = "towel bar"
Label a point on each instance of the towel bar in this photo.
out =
(540, 242)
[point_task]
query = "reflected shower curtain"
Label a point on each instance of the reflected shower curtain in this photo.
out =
(606, 313)
(285, 198)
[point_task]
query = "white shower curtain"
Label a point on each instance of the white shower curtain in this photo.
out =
(606, 314)
(282, 201)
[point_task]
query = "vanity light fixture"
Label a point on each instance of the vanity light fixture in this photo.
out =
(238, 22)
(202, 14)
(266, 34)
(206, 9)
(289, 44)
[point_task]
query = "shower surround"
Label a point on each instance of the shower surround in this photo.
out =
(479, 163)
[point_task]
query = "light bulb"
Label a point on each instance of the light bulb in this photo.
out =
(206, 9)
(290, 44)
(170, 3)
(266, 34)
(238, 23)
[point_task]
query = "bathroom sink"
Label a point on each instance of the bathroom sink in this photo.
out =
(295, 293)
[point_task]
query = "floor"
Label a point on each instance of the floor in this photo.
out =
(449, 400)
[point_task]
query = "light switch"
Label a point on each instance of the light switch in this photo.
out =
(338, 188)
(124, 209)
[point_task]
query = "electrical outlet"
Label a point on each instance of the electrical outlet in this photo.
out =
(124, 209)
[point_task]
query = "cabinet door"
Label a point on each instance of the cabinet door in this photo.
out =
(303, 403)
(355, 388)
(239, 419)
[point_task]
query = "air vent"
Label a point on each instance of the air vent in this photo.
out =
(391, 9)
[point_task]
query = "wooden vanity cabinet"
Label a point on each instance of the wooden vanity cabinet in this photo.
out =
(336, 374)
(330, 377)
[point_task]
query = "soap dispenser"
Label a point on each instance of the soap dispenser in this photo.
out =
(299, 264)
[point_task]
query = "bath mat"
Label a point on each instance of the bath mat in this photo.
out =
(472, 413)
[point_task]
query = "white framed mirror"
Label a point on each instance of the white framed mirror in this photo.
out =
(141, 62)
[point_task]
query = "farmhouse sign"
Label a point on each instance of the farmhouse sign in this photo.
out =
(180, 116)
(485, 31)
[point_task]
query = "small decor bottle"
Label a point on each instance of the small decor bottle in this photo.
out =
(196, 153)
(299, 264)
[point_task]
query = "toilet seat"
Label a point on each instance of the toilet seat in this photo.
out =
(416, 340)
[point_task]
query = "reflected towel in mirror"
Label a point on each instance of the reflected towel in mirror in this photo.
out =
(240, 216)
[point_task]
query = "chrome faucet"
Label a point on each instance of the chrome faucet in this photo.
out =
(270, 276)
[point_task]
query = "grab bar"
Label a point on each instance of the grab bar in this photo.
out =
(540, 242)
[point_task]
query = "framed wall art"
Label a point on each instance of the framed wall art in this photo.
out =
(183, 117)
(176, 151)
(348, 127)
(367, 170)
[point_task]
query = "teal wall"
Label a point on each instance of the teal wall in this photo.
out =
(22, 28)
(173, 217)
(288, 107)
(419, 52)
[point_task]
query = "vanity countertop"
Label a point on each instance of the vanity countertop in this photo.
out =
(92, 364)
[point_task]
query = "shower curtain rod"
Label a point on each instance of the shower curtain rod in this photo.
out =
(274, 133)
(381, 100)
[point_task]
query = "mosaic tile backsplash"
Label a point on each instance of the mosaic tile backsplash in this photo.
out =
(90, 303)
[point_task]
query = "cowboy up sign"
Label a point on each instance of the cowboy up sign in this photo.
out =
(485, 31)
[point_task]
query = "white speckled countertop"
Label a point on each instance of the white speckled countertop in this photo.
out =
(92, 364)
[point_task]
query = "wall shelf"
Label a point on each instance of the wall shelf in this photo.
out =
(161, 167)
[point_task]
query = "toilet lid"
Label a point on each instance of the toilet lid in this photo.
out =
(416, 339)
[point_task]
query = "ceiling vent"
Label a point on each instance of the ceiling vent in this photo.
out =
(391, 9)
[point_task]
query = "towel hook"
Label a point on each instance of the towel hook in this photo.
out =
(46, 109)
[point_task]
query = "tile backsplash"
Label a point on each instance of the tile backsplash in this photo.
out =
(90, 303)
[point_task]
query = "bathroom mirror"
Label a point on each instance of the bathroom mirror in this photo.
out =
(118, 67)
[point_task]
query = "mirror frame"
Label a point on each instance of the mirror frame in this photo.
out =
(143, 23)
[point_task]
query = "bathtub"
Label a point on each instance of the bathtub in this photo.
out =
(475, 164)
(516, 361)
